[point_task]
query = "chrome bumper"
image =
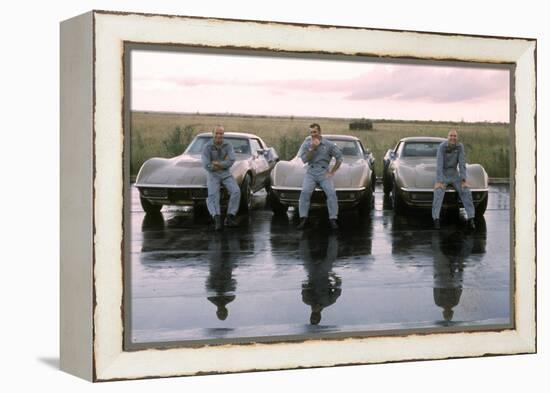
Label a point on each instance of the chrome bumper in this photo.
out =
(348, 196)
(421, 197)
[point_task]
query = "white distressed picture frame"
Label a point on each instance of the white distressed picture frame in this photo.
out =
(92, 143)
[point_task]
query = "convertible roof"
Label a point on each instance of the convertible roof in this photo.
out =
(423, 139)
(231, 134)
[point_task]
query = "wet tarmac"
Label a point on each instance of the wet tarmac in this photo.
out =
(377, 274)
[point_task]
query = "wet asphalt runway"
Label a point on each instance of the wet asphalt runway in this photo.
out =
(376, 274)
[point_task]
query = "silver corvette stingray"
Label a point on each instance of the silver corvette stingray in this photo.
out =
(181, 180)
(410, 172)
(354, 181)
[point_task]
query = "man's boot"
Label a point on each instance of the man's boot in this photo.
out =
(230, 221)
(217, 223)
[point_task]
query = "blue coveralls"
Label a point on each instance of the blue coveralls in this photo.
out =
(448, 159)
(316, 173)
(225, 155)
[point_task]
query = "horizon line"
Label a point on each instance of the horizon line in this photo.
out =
(237, 114)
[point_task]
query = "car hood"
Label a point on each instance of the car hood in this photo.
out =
(420, 172)
(183, 170)
(291, 173)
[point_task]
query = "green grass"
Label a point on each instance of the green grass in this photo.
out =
(168, 134)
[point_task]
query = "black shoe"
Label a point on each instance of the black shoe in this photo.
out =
(302, 224)
(333, 224)
(230, 221)
(436, 224)
(217, 223)
(471, 224)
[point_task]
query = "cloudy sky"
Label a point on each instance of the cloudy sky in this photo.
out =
(208, 83)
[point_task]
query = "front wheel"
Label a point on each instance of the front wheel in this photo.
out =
(148, 207)
(386, 183)
(480, 209)
(246, 195)
(276, 206)
(365, 205)
(398, 204)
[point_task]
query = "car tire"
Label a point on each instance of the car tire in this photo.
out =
(480, 208)
(365, 205)
(148, 207)
(246, 195)
(276, 206)
(387, 184)
(267, 185)
(397, 202)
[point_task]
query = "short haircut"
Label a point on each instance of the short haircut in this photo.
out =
(315, 125)
(216, 127)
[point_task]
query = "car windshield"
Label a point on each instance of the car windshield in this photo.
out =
(349, 148)
(420, 149)
(240, 145)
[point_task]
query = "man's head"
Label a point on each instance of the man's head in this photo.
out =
(315, 130)
(452, 137)
(222, 312)
(315, 316)
(217, 134)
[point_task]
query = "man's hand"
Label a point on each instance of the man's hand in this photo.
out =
(216, 166)
(464, 184)
(315, 143)
(439, 185)
(330, 174)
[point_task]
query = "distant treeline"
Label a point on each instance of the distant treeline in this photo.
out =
(315, 118)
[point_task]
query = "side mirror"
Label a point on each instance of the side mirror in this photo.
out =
(261, 152)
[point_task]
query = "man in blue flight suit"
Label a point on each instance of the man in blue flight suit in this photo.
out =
(317, 152)
(450, 155)
(217, 158)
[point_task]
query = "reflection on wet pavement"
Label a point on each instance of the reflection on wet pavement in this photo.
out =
(377, 273)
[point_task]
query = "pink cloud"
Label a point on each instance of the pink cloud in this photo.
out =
(432, 84)
(396, 82)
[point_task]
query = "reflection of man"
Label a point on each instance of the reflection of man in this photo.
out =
(450, 154)
(323, 286)
(317, 152)
(450, 252)
(220, 283)
(217, 157)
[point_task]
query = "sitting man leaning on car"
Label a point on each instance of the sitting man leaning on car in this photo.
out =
(217, 158)
(317, 152)
(450, 155)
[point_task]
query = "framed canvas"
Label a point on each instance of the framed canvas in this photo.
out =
(150, 289)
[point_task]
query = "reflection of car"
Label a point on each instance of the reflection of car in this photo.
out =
(181, 180)
(410, 172)
(354, 181)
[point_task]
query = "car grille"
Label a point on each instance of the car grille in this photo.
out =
(185, 194)
(319, 196)
(154, 192)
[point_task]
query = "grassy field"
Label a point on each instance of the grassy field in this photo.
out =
(167, 135)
